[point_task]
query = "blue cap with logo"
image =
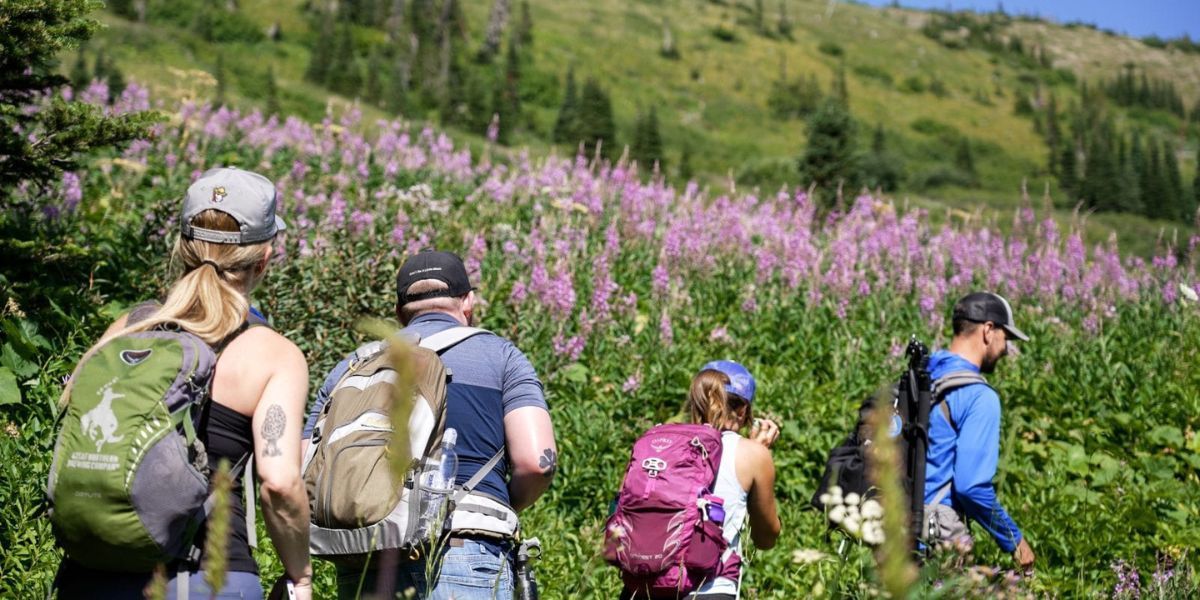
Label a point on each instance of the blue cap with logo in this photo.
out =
(741, 382)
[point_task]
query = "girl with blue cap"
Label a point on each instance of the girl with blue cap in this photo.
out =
(721, 396)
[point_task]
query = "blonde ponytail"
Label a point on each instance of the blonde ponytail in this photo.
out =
(209, 299)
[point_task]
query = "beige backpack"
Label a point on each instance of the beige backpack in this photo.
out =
(358, 505)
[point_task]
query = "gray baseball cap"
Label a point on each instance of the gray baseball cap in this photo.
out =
(247, 197)
(981, 307)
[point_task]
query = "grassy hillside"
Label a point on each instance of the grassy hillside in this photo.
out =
(712, 99)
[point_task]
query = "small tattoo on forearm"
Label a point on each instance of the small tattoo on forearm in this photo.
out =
(548, 462)
(272, 429)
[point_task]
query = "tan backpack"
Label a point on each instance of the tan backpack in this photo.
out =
(358, 505)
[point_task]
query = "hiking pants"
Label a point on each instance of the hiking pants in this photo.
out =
(467, 569)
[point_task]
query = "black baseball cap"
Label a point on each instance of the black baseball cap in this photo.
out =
(981, 307)
(446, 267)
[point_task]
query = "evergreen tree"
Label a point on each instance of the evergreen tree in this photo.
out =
(344, 77)
(114, 78)
(122, 8)
(29, 47)
(647, 148)
(785, 23)
(829, 159)
(1140, 163)
(525, 25)
(1154, 194)
(1068, 177)
(881, 169)
(566, 126)
(685, 163)
(272, 107)
(495, 30)
(1174, 184)
(396, 97)
(596, 123)
(840, 91)
(373, 87)
(1100, 186)
(760, 17)
(512, 83)
(219, 75)
(1053, 135)
(1129, 188)
(1194, 205)
(965, 162)
(320, 60)
(80, 76)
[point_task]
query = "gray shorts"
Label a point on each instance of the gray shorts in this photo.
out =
(943, 524)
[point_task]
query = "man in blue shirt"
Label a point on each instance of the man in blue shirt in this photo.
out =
(963, 451)
(496, 404)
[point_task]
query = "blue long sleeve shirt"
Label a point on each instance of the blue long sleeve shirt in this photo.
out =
(968, 458)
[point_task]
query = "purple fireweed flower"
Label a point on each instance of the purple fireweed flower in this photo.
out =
(72, 191)
(519, 292)
(720, 334)
(665, 332)
(571, 347)
(750, 304)
(493, 129)
(661, 280)
(633, 383)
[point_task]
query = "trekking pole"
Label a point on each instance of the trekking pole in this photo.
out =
(530, 550)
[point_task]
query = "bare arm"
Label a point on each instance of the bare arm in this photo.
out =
(764, 516)
(532, 454)
(278, 419)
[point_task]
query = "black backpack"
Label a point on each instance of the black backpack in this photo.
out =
(912, 397)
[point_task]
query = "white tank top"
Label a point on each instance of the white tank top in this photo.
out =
(729, 489)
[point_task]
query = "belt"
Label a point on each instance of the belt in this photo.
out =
(457, 539)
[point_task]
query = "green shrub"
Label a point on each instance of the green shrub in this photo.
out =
(873, 72)
(912, 85)
(831, 48)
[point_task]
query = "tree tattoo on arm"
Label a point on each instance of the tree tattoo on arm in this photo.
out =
(548, 462)
(272, 429)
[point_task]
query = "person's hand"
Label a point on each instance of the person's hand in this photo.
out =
(1023, 555)
(764, 431)
(301, 590)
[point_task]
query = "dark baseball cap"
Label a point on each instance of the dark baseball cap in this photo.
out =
(246, 196)
(446, 267)
(981, 307)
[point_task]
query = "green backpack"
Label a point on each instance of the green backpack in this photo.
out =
(129, 484)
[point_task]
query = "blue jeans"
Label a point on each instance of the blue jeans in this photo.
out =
(75, 581)
(471, 569)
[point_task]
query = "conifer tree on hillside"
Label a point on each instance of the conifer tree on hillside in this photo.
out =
(1140, 163)
(829, 157)
(1154, 195)
(596, 123)
(1174, 184)
(396, 97)
(1053, 134)
(222, 83)
(80, 75)
(111, 74)
(965, 161)
(647, 147)
(525, 25)
(685, 162)
(881, 169)
(1100, 187)
(566, 126)
(495, 30)
(1129, 187)
(785, 22)
(373, 86)
(840, 91)
(321, 57)
(1068, 178)
(272, 92)
(344, 77)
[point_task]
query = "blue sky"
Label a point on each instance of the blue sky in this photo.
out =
(1165, 18)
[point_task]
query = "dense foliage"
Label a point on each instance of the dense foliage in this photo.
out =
(617, 289)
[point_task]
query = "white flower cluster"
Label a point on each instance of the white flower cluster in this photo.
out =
(860, 516)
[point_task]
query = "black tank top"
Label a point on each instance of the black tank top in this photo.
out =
(228, 435)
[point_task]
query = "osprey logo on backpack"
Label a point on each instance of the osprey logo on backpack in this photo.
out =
(100, 423)
(134, 357)
(660, 444)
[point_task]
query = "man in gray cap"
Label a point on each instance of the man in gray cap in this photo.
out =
(964, 429)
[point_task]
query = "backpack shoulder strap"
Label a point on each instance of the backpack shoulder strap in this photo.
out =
(446, 339)
(950, 382)
(469, 486)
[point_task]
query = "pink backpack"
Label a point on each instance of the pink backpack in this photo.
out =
(665, 534)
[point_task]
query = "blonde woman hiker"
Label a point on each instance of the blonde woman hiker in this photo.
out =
(720, 399)
(172, 390)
